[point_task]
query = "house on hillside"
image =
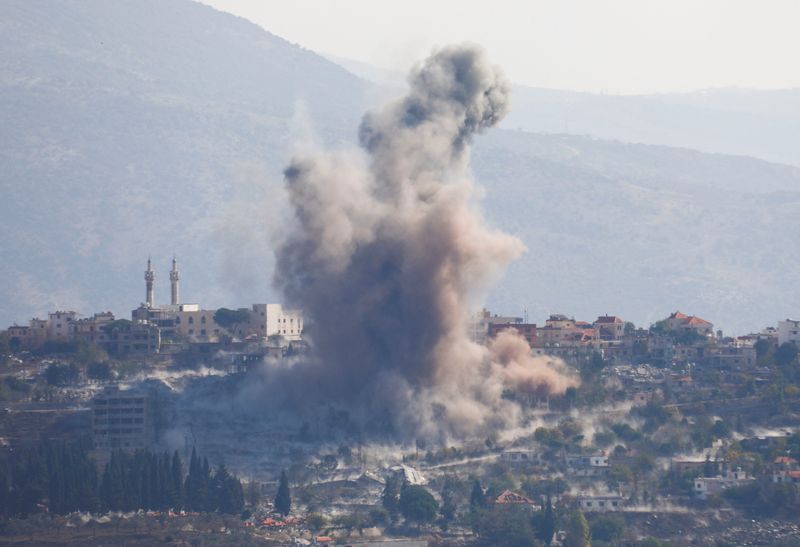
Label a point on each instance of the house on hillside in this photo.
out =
(785, 470)
(512, 498)
(611, 502)
(610, 327)
(681, 322)
(705, 486)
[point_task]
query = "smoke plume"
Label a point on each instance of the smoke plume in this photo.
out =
(388, 252)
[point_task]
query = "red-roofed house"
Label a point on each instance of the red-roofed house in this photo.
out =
(679, 321)
(508, 497)
(785, 470)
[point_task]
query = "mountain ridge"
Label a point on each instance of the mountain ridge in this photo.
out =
(112, 154)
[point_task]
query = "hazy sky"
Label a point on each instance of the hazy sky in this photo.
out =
(616, 46)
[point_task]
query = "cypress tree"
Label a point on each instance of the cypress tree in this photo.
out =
(191, 489)
(206, 496)
(283, 499)
(390, 497)
(476, 498)
(177, 481)
(547, 525)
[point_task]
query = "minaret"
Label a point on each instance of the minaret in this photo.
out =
(174, 277)
(149, 277)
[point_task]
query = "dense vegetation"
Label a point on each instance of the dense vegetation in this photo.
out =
(61, 478)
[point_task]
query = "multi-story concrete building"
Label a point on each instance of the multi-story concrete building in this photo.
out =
(122, 419)
(59, 326)
(92, 330)
(789, 331)
(732, 356)
(610, 327)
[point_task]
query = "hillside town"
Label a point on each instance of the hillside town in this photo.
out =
(671, 424)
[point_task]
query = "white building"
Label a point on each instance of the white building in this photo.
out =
(789, 331)
(591, 504)
(521, 455)
(705, 486)
(594, 465)
(286, 323)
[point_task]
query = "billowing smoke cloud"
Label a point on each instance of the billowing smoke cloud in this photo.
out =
(388, 252)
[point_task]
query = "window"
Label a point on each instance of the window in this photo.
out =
(203, 320)
(191, 320)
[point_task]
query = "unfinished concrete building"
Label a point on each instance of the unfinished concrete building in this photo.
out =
(122, 419)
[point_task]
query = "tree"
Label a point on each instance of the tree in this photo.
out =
(785, 354)
(577, 530)
(390, 497)
(508, 526)
(59, 375)
(347, 521)
(283, 499)
(99, 371)
(764, 352)
(477, 499)
(87, 354)
(418, 505)
(316, 522)
(607, 528)
(545, 525)
(378, 516)
(226, 493)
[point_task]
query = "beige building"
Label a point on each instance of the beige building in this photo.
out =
(59, 326)
(91, 330)
(610, 327)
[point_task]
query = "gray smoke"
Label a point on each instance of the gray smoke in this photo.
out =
(389, 251)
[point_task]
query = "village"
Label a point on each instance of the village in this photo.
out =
(669, 424)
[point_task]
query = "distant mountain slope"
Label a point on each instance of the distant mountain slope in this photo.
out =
(148, 126)
(161, 126)
(642, 230)
(762, 124)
